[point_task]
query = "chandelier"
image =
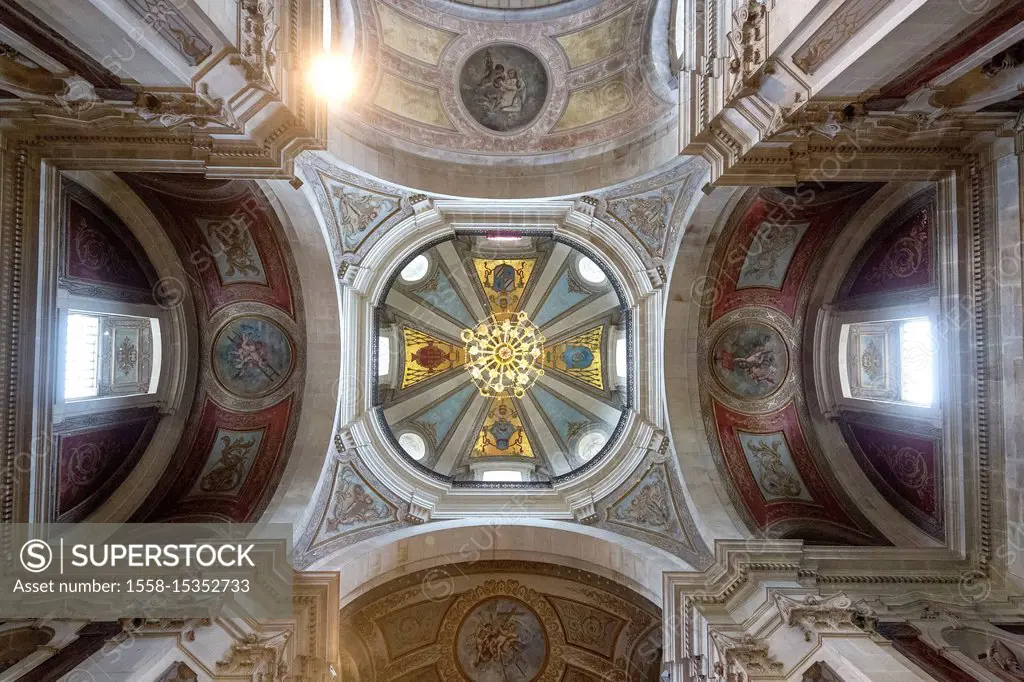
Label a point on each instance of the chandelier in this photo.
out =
(503, 355)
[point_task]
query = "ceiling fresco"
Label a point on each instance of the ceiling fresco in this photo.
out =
(454, 83)
(235, 258)
(501, 621)
(501, 351)
(752, 400)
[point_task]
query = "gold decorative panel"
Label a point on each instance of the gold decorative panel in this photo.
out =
(427, 356)
(502, 434)
(504, 281)
(579, 357)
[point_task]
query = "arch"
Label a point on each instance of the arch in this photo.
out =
(318, 283)
(376, 561)
(179, 341)
(713, 511)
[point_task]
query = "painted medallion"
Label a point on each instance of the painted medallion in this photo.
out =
(501, 640)
(252, 356)
(503, 87)
(750, 360)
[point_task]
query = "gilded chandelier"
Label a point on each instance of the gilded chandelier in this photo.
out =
(503, 355)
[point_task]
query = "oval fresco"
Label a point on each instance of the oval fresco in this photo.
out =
(750, 360)
(252, 356)
(503, 87)
(501, 640)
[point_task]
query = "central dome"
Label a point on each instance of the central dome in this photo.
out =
(501, 359)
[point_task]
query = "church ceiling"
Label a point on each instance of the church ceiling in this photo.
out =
(242, 421)
(446, 379)
(453, 82)
(752, 396)
(501, 620)
(902, 457)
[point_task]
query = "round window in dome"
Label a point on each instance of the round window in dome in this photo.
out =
(416, 269)
(590, 271)
(413, 445)
(590, 444)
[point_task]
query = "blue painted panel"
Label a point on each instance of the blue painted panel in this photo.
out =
(444, 298)
(441, 416)
(562, 416)
(562, 297)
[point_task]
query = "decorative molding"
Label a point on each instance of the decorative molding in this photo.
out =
(816, 615)
(750, 653)
(257, 35)
(199, 110)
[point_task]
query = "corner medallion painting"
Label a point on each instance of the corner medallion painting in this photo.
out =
(503, 87)
(252, 356)
(750, 360)
(501, 640)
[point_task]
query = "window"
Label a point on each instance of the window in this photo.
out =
(590, 444)
(890, 361)
(503, 476)
(590, 271)
(917, 362)
(383, 355)
(81, 359)
(416, 269)
(621, 357)
(413, 445)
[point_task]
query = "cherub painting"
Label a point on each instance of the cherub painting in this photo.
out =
(503, 87)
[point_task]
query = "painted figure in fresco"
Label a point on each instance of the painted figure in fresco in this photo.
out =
(248, 352)
(758, 364)
(498, 639)
(227, 472)
(504, 89)
(577, 357)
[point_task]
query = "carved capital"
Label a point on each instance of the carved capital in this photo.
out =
(746, 651)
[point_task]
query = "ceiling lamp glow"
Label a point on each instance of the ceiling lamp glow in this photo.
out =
(503, 355)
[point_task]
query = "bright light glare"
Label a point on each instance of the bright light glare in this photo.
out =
(620, 357)
(333, 77)
(503, 476)
(327, 24)
(81, 357)
(917, 362)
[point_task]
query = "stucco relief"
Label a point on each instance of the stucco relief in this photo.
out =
(355, 209)
(650, 506)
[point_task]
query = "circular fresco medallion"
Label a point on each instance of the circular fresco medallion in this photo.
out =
(501, 640)
(750, 360)
(252, 356)
(503, 87)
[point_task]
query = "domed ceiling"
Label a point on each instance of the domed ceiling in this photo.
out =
(459, 83)
(502, 359)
